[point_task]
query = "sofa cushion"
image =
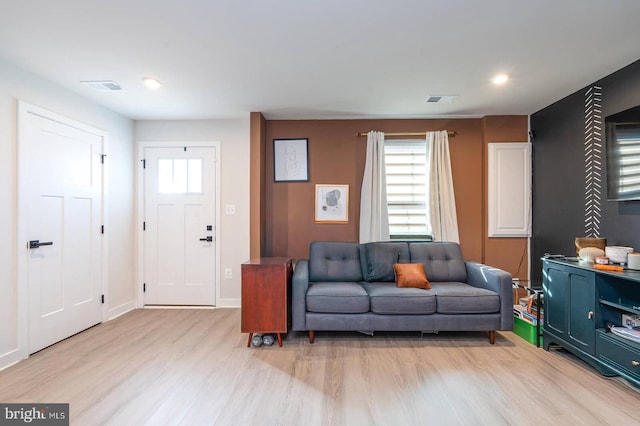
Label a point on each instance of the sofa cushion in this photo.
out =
(461, 298)
(378, 258)
(337, 297)
(334, 261)
(387, 299)
(411, 275)
(442, 261)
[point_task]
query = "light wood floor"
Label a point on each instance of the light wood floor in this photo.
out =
(192, 367)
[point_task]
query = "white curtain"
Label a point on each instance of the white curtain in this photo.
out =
(442, 201)
(374, 217)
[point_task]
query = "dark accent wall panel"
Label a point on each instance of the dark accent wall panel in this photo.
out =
(559, 172)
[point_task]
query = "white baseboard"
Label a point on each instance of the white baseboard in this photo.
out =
(177, 307)
(228, 303)
(10, 358)
(120, 310)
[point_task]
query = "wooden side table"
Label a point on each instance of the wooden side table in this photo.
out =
(266, 292)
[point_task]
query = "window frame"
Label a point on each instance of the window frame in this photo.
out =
(402, 231)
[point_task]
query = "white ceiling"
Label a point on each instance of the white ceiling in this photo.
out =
(295, 59)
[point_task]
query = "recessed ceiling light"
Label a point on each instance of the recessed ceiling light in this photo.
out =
(500, 79)
(151, 82)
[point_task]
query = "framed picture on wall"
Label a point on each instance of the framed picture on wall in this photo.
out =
(291, 160)
(332, 203)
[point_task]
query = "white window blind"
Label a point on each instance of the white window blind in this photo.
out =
(628, 158)
(407, 174)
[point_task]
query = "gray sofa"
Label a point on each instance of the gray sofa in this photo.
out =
(351, 287)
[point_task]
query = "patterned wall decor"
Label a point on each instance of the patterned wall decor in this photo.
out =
(593, 160)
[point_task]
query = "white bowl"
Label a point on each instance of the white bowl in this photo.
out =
(618, 254)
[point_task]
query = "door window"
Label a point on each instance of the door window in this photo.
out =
(180, 176)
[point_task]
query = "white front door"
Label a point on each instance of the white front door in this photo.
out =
(61, 181)
(179, 225)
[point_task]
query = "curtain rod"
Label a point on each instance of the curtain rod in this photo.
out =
(451, 133)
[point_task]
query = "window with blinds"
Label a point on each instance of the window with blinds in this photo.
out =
(624, 161)
(407, 188)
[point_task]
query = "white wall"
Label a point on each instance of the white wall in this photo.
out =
(16, 84)
(233, 236)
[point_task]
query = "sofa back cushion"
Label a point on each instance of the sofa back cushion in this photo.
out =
(378, 258)
(334, 261)
(442, 260)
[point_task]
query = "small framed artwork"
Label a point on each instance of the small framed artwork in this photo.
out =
(291, 160)
(332, 203)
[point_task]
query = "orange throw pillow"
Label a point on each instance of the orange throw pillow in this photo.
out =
(411, 275)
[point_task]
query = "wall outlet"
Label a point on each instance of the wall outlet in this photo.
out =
(230, 209)
(228, 274)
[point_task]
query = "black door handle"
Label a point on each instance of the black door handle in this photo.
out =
(208, 239)
(36, 243)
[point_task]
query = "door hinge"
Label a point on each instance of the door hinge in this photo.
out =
(144, 287)
(144, 226)
(102, 229)
(144, 163)
(102, 158)
(185, 149)
(103, 299)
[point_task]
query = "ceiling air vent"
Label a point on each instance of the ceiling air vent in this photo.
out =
(440, 99)
(104, 86)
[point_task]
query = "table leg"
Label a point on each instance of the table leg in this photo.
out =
(249, 341)
(279, 339)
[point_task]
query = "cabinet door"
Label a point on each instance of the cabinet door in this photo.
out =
(570, 305)
(556, 300)
(509, 189)
(582, 330)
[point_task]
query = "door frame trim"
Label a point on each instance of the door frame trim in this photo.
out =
(139, 275)
(22, 291)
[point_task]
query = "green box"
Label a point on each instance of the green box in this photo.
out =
(526, 330)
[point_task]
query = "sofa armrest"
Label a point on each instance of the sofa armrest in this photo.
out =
(299, 286)
(494, 279)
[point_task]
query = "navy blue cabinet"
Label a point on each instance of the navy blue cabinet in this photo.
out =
(581, 303)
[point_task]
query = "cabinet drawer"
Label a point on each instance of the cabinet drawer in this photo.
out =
(621, 355)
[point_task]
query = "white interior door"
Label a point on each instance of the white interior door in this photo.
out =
(179, 225)
(61, 169)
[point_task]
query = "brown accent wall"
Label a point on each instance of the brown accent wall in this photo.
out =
(511, 254)
(337, 156)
